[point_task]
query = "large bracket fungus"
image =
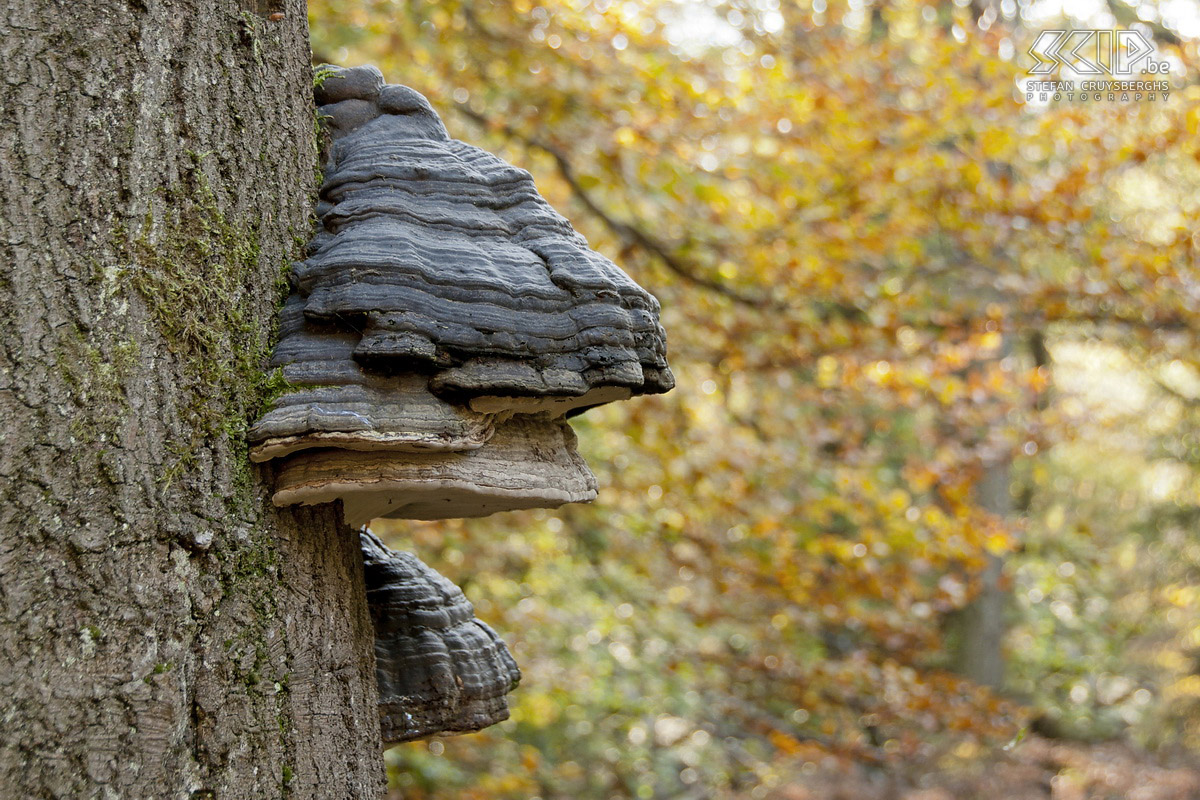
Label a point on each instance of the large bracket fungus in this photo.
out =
(445, 323)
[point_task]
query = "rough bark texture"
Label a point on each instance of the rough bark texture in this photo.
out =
(164, 631)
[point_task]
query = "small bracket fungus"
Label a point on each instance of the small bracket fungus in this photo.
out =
(440, 670)
(444, 324)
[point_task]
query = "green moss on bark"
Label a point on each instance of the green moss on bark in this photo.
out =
(194, 268)
(95, 376)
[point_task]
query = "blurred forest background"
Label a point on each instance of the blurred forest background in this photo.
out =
(921, 518)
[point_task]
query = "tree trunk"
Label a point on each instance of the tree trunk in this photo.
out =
(983, 624)
(164, 631)
(979, 629)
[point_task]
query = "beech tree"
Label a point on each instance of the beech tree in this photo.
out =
(165, 631)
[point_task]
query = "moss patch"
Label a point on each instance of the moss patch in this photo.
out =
(192, 265)
(96, 379)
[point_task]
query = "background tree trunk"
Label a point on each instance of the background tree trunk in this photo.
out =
(164, 632)
(984, 621)
(979, 629)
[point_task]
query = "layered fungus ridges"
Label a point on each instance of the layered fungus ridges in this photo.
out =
(444, 324)
(439, 669)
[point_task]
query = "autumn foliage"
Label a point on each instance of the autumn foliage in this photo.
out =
(872, 254)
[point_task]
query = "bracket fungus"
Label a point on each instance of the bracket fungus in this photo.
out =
(440, 670)
(444, 324)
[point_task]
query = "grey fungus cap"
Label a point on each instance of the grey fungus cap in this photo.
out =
(445, 322)
(440, 670)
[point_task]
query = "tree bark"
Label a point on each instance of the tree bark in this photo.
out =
(164, 632)
(984, 623)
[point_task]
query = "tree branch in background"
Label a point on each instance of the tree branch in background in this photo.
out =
(629, 233)
(632, 235)
(1126, 16)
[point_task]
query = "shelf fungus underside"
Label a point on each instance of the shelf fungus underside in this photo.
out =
(444, 324)
(439, 669)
